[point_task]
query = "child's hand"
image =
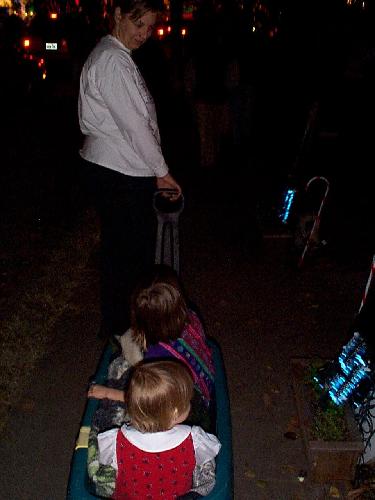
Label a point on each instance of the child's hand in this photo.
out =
(97, 391)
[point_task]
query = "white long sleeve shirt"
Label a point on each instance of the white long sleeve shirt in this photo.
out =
(117, 113)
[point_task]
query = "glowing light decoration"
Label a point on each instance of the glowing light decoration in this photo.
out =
(188, 9)
(353, 368)
(288, 199)
(8, 4)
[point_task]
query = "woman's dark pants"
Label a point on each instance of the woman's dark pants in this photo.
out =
(128, 232)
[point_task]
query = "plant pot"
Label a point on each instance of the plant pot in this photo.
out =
(328, 460)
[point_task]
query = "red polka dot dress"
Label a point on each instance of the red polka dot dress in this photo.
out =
(151, 476)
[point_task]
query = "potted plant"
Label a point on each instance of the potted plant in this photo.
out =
(331, 437)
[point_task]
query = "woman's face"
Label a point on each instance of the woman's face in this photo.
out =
(134, 32)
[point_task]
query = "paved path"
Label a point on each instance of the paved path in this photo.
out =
(264, 313)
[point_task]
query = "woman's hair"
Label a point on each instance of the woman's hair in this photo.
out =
(158, 392)
(158, 313)
(137, 8)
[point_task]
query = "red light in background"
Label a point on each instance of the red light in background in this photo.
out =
(64, 45)
(169, 29)
(160, 32)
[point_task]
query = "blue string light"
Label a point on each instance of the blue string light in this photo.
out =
(287, 204)
(353, 368)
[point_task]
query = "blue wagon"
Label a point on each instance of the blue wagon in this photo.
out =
(77, 485)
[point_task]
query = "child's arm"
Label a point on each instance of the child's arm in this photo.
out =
(204, 478)
(98, 391)
(101, 478)
(206, 448)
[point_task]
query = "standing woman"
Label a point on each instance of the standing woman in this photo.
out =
(123, 162)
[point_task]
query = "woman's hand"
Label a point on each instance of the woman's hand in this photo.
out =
(168, 182)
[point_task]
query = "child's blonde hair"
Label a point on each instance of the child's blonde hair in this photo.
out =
(157, 393)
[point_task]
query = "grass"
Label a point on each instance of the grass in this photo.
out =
(26, 328)
(329, 421)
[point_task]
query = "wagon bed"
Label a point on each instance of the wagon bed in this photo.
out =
(78, 479)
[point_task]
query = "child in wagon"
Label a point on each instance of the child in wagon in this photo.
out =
(162, 327)
(155, 456)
